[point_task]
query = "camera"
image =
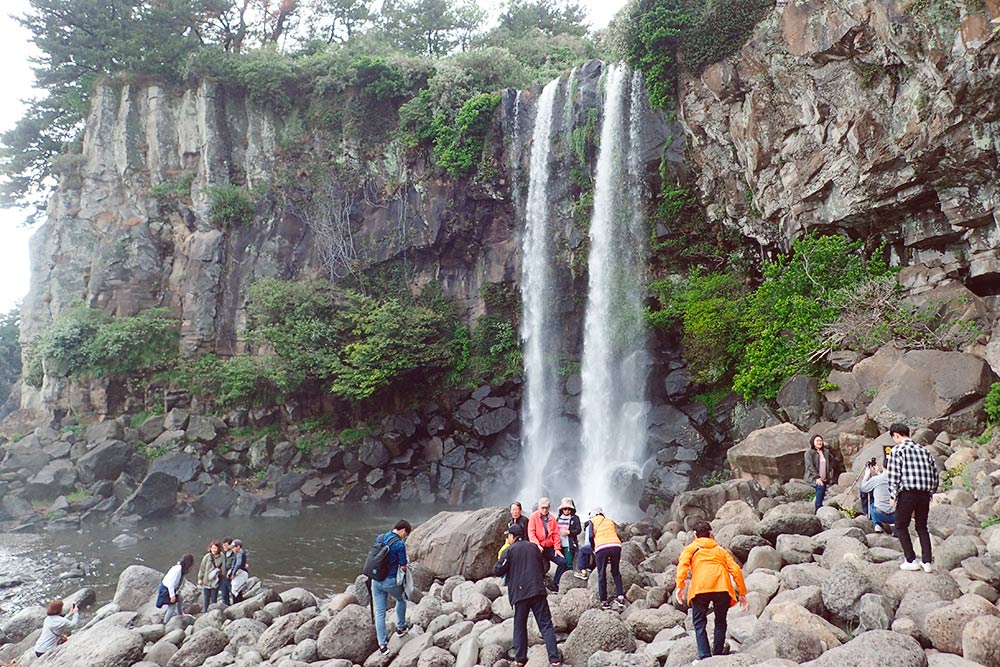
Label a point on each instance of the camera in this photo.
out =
(873, 463)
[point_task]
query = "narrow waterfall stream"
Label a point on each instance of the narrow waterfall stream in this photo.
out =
(613, 406)
(538, 327)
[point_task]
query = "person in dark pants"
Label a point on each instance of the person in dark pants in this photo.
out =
(225, 584)
(713, 570)
(913, 479)
(607, 551)
(523, 565)
(818, 469)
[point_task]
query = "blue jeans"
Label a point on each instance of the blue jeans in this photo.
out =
(210, 596)
(226, 590)
(820, 495)
(585, 559)
(172, 610)
(699, 615)
(381, 590)
(880, 518)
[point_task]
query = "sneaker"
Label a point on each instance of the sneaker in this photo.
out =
(580, 574)
(911, 566)
(878, 528)
(928, 567)
(384, 650)
(606, 604)
(695, 663)
(620, 602)
(400, 632)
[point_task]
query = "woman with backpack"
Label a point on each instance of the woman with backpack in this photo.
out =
(169, 594)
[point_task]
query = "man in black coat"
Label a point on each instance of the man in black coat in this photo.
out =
(524, 566)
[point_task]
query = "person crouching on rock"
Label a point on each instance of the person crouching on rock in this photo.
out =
(543, 532)
(713, 570)
(209, 573)
(524, 566)
(169, 594)
(55, 627)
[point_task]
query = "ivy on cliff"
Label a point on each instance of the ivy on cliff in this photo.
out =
(459, 146)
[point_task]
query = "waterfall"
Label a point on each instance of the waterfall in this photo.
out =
(540, 416)
(613, 406)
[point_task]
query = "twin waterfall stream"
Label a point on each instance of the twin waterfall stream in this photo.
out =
(600, 463)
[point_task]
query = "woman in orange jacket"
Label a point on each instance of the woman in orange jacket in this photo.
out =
(713, 570)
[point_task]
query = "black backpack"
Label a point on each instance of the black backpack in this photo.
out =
(377, 563)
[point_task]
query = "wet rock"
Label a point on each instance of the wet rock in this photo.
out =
(494, 421)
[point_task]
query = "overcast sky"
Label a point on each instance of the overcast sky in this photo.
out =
(14, 54)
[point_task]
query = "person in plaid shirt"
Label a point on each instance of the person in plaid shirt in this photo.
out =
(913, 479)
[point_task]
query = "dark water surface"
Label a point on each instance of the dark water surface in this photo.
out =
(322, 550)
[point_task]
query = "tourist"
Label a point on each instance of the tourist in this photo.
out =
(225, 585)
(819, 469)
(913, 479)
(55, 626)
(237, 572)
(875, 481)
(569, 528)
(607, 550)
(383, 588)
(517, 516)
(585, 561)
(169, 594)
(543, 532)
(713, 570)
(211, 567)
(524, 567)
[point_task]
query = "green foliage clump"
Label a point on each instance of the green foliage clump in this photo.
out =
(230, 206)
(800, 294)
(459, 146)
(175, 190)
(10, 351)
(85, 342)
(268, 76)
(993, 404)
(239, 380)
(663, 37)
(352, 436)
(491, 352)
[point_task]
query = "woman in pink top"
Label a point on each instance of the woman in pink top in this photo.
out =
(819, 468)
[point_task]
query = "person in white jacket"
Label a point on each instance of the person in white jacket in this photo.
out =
(55, 626)
(169, 594)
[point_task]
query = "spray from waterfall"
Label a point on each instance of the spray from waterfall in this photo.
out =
(541, 405)
(613, 406)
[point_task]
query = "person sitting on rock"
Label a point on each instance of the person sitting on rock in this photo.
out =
(818, 469)
(569, 528)
(524, 567)
(875, 481)
(913, 479)
(169, 594)
(543, 532)
(517, 516)
(607, 551)
(382, 589)
(713, 570)
(55, 626)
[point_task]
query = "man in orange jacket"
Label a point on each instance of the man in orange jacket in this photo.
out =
(713, 570)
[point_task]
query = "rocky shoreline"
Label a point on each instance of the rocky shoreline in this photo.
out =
(824, 589)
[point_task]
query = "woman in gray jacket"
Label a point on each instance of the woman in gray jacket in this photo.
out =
(819, 468)
(55, 627)
(208, 574)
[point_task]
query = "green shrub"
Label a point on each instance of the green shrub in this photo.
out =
(174, 190)
(459, 146)
(269, 77)
(230, 206)
(352, 436)
(993, 404)
(416, 121)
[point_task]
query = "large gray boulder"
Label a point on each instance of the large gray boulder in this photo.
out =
(105, 461)
(842, 590)
(981, 641)
(200, 646)
(156, 495)
(944, 626)
(928, 388)
(216, 501)
(280, 634)
(24, 455)
(463, 543)
(109, 646)
(772, 454)
(136, 584)
(598, 630)
(877, 647)
(349, 635)
(21, 624)
(180, 465)
(54, 479)
(773, 525)
(705, 503)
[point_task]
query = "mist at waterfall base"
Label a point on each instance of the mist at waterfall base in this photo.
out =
(604, 467)
(323, 550)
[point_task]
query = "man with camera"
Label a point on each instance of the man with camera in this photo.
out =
(875, 481)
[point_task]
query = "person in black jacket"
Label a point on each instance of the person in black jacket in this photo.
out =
(569, 528)
(517, 516)
(525, 568)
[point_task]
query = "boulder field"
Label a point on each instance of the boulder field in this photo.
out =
(824, 589)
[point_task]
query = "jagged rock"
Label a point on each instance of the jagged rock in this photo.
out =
(278, 635)
(799, 398)
(201, 429)
(597, 630)
(350, 634)
(373, 453)
(179, 465)
(772, 453)
(55, 478)
(215, 501)
(156, 495)
(105, 461)
(494, 421)
(464, 543)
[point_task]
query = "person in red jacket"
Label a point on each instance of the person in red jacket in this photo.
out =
(543, 532)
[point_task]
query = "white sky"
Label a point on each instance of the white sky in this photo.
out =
(17, 80)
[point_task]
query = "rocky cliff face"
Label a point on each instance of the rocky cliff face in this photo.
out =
(876, 118)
